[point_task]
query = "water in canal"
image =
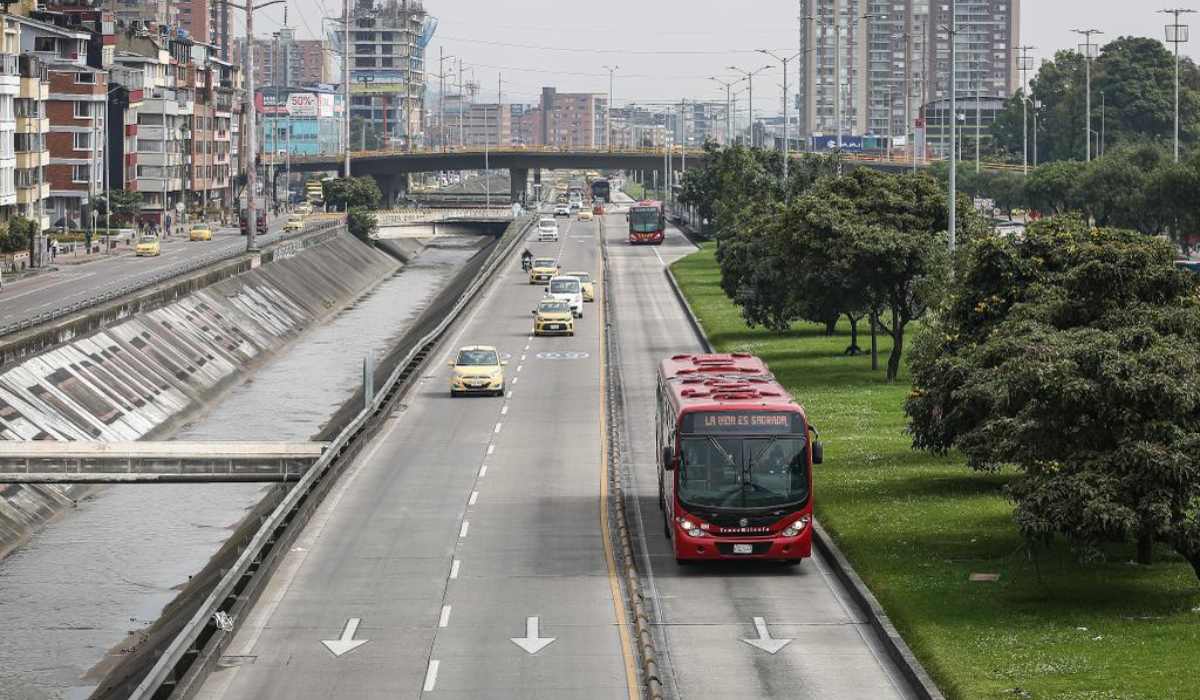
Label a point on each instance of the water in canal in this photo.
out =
(109, 566)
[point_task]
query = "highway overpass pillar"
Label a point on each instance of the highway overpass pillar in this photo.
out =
(393, 187)
(517, 178)
(537, 182)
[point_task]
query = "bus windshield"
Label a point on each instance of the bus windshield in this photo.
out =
(644, 219)
(743, 472)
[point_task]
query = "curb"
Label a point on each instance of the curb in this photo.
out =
(647, 653)
(895, 646)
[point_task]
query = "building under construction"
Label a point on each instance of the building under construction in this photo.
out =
(387, 67)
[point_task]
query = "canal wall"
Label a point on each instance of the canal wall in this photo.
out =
(135, 376)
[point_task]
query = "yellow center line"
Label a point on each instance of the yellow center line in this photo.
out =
(631, 674)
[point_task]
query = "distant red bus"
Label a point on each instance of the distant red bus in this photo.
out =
(647, 222)
(734, 461)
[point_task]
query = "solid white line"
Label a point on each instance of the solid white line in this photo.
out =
(444, 621)
(660, 260)
(462, 531)
(504, 410)
(491, 449)
(431, 675)
(474, 497)
(454, 568)
(498, 425)
(483, 471)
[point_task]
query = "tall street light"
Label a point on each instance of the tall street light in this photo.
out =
(749, 77)
(1089, 50)
(1176, 34)
(953, 34)
(1025, 64)
(608, 112)
(248, 107)
(783, 61)
(728, 85)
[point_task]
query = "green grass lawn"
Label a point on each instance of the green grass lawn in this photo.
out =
(916, 526)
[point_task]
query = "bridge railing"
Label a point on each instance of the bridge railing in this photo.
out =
(398, 217)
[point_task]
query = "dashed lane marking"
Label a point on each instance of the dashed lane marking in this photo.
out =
(474, 497)
(444, 620)
(454, 566)
(431, 676)
(462, 531)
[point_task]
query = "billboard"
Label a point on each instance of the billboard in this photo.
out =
(302, 104)
(852, 144)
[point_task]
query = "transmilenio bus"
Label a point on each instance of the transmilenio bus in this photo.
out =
(734, 461)
(647, 222)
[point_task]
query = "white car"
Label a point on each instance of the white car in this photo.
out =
(562, 210)
(568, 289)
(547, 230)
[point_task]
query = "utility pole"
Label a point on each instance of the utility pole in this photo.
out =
(784, 62)
(952, 31)
(749, 77)
(1024, 64)
(462, 104)
(346, 84)
(1088, 49)
(728, 85)
(608, 112)
(1176, 34)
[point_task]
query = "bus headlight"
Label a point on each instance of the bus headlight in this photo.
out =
(797, 527)
(692, 529)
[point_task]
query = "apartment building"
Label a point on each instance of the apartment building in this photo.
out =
(206, 22)
(387, 66)
(10, 90)
(30, 140)
(572, 120)
(895, 57)
(489, 124)
(287, 61)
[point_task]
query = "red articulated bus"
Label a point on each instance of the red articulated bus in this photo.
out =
(734, 460)
(647, 222)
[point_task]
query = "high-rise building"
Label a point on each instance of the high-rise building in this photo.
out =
(207, 22)
(287, 61)
(572, 119)
(387, 66)
(895, 57)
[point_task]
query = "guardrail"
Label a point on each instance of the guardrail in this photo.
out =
(181, 668)
(396, 217)
(181, 268)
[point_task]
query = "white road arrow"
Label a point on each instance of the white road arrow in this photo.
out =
(531, 642)
(347, 643)
(764, 640)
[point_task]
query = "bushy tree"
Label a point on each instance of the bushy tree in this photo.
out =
(344, 193)
(361, 222)
(1053, 188)
(1073, 355)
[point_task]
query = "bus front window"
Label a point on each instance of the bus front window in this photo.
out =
(644, 219)
(743, 473)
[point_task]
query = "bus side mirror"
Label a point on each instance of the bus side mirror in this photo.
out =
(818, 452)
(668, 458)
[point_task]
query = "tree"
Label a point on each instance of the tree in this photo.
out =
(1114, 188)
(1072, 355)
(1007, 190)
(17, 234)
(1054, 188)
(1171, 192)
(361, 222)
(873, 241)
(343, 193)
(126, 205)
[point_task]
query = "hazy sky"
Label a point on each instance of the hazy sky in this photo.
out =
(666, 49)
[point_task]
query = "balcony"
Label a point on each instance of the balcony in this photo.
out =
(33, 193)
(34, 89)
(33, 159)
(33, 125)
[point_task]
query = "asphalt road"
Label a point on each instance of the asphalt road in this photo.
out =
(466, 524)
(704, 612)
(69, 284)
(469, 522)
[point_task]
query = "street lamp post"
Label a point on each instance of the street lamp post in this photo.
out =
(251, 135)
(784, 62)
(953, 34)
(749, 77)
(1176, 34)
(728, 85)
(608, 112)
(1037, 104)
(1025, 63)
(1088, 49)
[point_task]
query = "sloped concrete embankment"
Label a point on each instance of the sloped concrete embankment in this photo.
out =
(137, 376)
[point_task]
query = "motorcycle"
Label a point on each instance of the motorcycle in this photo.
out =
(526, 263)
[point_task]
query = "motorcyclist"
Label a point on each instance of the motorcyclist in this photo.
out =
(526, 259)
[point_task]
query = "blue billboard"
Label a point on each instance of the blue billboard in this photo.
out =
(829, 143)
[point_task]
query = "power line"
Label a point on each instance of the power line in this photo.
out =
(632, 52)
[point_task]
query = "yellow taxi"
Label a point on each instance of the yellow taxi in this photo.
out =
(542, 270)
(294, 223)
(304, 209)
(553, 317)
(477, 369)
(148, 246)
(585, 214)
(200, 232)
(586, 286)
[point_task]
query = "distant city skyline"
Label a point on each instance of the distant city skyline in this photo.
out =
(667, 50)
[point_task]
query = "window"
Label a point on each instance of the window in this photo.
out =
(83, 110)
(85, 77)
(79, 173)
(83, 140)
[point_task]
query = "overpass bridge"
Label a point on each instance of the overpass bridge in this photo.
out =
(390, 168)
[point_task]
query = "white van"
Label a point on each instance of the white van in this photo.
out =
(547, 230)
(568, 289)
